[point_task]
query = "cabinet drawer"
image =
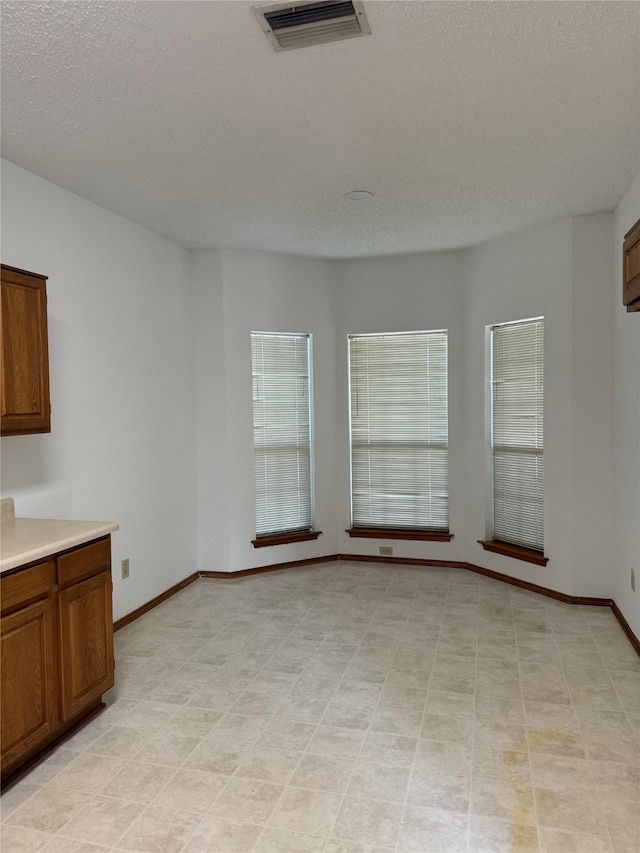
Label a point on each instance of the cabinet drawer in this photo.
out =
(84, 562)
(26, 585)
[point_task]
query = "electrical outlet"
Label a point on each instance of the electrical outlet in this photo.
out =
(386, 551)
(125, 568)
(633, 580)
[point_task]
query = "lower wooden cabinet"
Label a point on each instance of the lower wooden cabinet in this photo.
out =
(86, 643)
(56, 642)
(28, 679)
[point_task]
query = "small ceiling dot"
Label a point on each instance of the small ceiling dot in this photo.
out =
(358, 195)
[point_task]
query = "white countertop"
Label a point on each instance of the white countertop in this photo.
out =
(25, 540)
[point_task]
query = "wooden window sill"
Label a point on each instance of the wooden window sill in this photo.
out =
(396, 533)
(515, 551)
(285, 538)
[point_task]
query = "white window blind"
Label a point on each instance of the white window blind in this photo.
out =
(399, 432)
(517, 380)
(282, 432)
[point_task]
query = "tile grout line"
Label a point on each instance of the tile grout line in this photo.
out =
(366, 731)
(525, 726)
(305, 750)
(415, 754)
(580, 728)
(270, 717)
(473, 738)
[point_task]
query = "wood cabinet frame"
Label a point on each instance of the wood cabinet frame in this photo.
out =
(25, 405)
(57, 650)
(28, 681)
(86, 667)
(631, 269)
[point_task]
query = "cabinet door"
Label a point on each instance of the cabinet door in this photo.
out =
(86, 642)
(28, 679)
(25, 406)
(631, 269)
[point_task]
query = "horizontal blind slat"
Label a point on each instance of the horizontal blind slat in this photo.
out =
(282, 432)
(399, 430)
(517, 439)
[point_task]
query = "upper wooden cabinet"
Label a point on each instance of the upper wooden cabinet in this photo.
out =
(631, 269)
(24, 355)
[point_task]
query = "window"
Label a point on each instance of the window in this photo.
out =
(399, 440)
(282, 432)
(517, 407)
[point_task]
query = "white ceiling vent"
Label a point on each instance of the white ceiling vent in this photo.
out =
(290, 25)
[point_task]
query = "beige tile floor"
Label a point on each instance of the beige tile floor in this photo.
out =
(351, 708)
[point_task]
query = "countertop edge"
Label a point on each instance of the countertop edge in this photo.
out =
(58, 543)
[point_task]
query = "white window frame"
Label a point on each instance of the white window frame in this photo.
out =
(512, 522)
(420, 503)
(283, 456)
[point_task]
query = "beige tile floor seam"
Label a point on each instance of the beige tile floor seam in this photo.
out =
(406, 805)
(547, 734)
(333, 837)
(473, 745)
(437, 620)
(267, 829)
(68, 837)
(585, 766)
(346, 786)
(588, 765)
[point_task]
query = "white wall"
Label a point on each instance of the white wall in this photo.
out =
(559, 270)
(627, 426)
(122, 445)
(526, 274)
(205, 273)
(592, 404)
(256, 291)
(405, 293)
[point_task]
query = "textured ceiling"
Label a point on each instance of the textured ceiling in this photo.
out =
(466, 120)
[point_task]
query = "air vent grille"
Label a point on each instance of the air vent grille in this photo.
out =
(290, 26)
(312, 13)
